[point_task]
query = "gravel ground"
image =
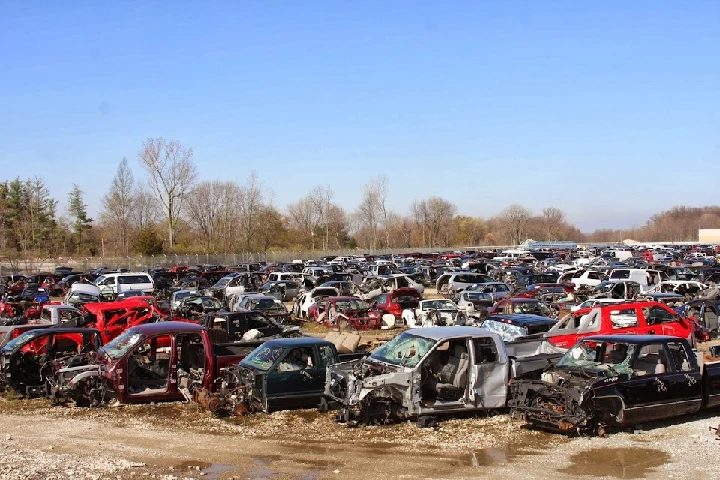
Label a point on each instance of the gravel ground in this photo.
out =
(173, 441)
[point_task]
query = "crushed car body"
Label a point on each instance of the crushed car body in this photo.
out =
(426, 372)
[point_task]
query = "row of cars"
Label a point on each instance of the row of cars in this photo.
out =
(421, 373)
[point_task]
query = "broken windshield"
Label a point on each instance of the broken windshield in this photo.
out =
(405, 349)
(122, 345)
(263, 357)
(611, 357)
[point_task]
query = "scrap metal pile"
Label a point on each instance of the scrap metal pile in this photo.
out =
(581, 340)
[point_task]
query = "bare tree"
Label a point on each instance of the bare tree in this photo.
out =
(372, 206)
(145, 213)
(118, 205)
(251, 203)
(172, 175)
(553, 220)
(203, 209)
(514, 220)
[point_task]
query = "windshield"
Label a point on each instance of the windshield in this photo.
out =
(122, 344)
(599, 356)
(405, 349)
(263, 357)
(222, 283)
(439, 305)
(265, 304)
(605, 287)
(21, 340)
(345, 306)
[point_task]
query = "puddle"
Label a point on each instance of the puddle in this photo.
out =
(195, 465)
(261, 473)
(208, 470)
(215, 470)
(616, 462)
(264, 460)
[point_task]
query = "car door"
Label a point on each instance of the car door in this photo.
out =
(488, 374)
(657, 387)
(295, 379)
(661, 321)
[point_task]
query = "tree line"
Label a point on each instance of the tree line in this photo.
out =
(172, 212)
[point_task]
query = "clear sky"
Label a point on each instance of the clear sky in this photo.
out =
(608, 110)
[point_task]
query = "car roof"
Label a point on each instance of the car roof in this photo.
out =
(442, 333)
(633, 338)
(296, 341)
(166, 327)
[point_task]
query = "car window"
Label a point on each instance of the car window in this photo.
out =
(679, 357)
(655, 315)
(485, 351)
(624, 318)
(651, 360)
(296, 359)
(257, 321)
(327, 356)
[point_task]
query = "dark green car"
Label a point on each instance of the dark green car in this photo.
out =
(280, 374)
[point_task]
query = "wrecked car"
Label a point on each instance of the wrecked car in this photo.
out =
(246, 325)
(279, 374)
(617, 381)
(31, 359)
(434, 313)
(304, 300)
(512, 327)
(640, 318)
(393, 303)
(269, 306)
(345, 313)
(165, 361)
(428, 372)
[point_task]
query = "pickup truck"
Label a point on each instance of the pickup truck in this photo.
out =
(427, 372)
(246, 326)
(27, 361)
(611, 381)
(281, 373)
(155, 362)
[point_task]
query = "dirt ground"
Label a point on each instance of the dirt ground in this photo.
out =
(178, 440)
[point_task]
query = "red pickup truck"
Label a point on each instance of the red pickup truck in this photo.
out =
(166, 361)
(641, 318)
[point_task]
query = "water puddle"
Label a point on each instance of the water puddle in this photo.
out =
(210, 471)
(617, 462)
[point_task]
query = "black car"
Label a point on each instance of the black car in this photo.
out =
(523, 281)
(617, 381)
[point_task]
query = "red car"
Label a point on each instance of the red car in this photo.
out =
(396, 301)
(345, 312)
(641, 318)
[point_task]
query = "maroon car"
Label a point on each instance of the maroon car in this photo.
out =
(345, 312)
(396, 301)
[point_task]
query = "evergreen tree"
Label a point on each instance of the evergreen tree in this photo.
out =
(77, 210)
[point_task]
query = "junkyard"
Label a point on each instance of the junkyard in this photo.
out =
(468, 378)
(327, 240)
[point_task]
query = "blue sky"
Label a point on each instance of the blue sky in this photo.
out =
(607, 110)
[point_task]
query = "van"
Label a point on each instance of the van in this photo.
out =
(113, 283)
(284, 276)
(644, 277)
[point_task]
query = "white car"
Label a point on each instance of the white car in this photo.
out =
(432, 313)
(305, 300)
